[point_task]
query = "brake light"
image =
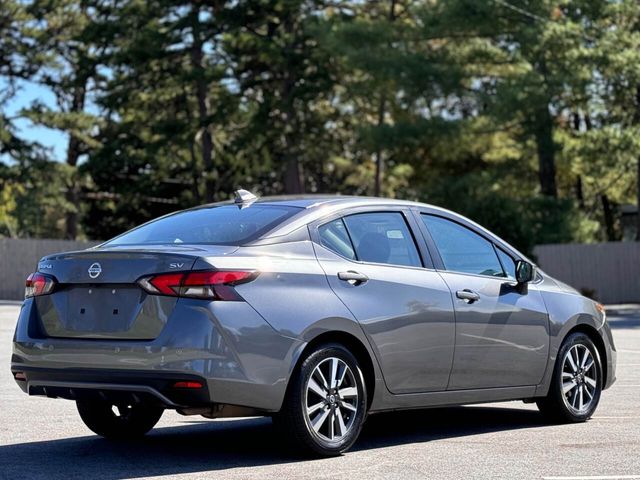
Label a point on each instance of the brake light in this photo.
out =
(187, 385)
(212, 285)
(38, 284)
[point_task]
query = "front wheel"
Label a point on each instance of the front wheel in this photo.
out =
(326, 402)
(118, 421)
(576, 384)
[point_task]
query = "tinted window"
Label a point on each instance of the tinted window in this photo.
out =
(224, 225)
(508, 263)
(382, 238)
(334, 236)
(461, 249)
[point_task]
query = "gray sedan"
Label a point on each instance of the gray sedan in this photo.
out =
(316, 311)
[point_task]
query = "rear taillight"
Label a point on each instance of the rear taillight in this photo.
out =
(189, 384)
(212, 285)
(38, 284)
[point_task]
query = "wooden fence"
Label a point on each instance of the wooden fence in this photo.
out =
(610, 272)
(19, 258)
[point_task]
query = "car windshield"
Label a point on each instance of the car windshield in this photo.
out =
(221, 225)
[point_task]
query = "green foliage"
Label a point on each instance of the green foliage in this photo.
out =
(523, 115)
(8, 220)
(31, 203)
(524, 220)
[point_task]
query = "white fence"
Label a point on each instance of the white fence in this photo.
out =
(19, 258)
(609, 271)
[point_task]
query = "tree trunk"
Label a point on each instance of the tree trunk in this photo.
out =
(578, 185)
(206, 143)
(377, 187)
(546, 151)
(638, 202)
(608, 218)
(294, 171)
(293, 178)
(72, 195)
(637, 120)
(580, 192)
(195, 179)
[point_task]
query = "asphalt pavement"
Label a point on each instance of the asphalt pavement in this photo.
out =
(45, 438)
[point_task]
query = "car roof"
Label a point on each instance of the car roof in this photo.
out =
(317, 200)
(316, 206)
(310, 202)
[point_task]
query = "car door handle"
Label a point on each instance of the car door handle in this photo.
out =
(354, 278)
(467, 295)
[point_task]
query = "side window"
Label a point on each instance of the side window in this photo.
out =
(334, 236)
(461, 249)
(383, 237)
(508, 263)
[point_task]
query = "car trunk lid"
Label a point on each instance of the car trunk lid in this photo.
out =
(97, 295)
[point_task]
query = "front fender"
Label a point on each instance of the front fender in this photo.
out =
(566, 312)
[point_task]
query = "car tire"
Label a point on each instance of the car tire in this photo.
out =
(576, 384)
(131, 421)
(326, 403)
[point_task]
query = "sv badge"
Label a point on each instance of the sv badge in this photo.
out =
(176, 265)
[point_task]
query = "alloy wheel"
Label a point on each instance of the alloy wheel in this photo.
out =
(579, 378)
(331, 399)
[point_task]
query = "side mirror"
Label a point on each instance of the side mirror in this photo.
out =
(525, 272)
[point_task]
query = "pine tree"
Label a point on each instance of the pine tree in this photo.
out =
(68, 34)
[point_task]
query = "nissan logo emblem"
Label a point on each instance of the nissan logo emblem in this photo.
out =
(95, 270)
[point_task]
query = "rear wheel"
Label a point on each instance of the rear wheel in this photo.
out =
(118, 421)
(577, 382)
(326, 401)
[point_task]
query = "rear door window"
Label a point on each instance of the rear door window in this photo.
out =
(334, 236)
(383, 237)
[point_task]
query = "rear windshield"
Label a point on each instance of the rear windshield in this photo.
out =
(223, 225)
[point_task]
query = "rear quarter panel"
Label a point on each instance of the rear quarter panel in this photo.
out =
(293, 295)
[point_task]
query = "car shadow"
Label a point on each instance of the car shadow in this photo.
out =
(417, 426)
(203, 446)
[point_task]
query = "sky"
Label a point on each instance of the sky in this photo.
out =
(51, 139)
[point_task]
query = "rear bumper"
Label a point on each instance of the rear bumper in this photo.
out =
(130, 386)
(238, 356)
